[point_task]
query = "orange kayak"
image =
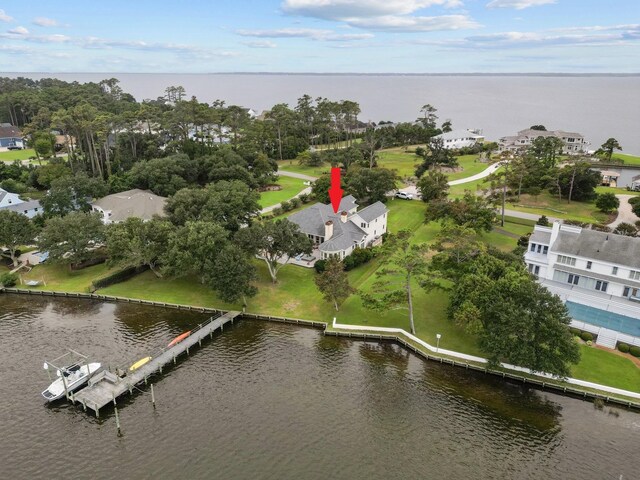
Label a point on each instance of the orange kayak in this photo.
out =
(179, 338)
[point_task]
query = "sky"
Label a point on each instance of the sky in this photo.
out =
(321, 36)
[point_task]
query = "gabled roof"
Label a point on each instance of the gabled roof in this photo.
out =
(311, 220)
(607, 247)
(373, 211)
(21, 207)
(349, 235)
(132, 203)
(9, 131)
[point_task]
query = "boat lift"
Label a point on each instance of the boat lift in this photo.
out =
(58, 364)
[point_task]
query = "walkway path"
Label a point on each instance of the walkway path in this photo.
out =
(625, 214)
(483, 174)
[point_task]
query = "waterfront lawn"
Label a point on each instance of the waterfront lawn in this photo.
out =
(11, 155)
(628, 159)
(470, 166)
(606, 368)
(404, 162)
(550, 205)
(290, 188)
(61, 278)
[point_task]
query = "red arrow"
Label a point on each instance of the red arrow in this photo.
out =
(335, 192)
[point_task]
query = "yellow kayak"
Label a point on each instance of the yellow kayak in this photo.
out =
(139, 363)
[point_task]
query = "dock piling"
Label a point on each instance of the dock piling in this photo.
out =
(118, 422)
(153, 397)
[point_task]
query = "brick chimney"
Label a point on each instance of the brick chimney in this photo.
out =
(343, 216)
(328, 230)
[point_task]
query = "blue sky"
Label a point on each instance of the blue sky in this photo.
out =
(411, 36)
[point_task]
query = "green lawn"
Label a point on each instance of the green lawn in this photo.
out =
(600, 366)
(550, 205)
(628, 159)
(404, 162)
(616, 191)
(292, 166)
(12, 155)
(470, 166)
(290, 188)
(59, 277)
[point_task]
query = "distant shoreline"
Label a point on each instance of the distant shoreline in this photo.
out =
(347, 74)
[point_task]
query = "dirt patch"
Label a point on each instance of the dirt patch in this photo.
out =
(291, 305)
(270, 188)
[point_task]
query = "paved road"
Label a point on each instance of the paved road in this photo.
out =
(301, 176)
(625, 214)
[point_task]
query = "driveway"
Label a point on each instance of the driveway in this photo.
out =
(625, 214)
(301, 176)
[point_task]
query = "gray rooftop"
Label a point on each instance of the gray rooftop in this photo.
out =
(373, 211)
(21, 207)
(132, 203)
(458, 134)
(349, 234)
(606, 247)
(540, 237)
(311, 220)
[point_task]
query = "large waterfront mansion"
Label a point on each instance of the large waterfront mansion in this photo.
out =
(597, 274)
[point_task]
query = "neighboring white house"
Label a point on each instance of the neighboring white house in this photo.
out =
(574, 143)
(11, 201)
(460, 138)
(596, 273)
(138, 203)
(338, 234)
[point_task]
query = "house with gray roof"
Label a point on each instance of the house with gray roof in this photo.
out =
(12, 202)
(138, 203)
(456, 139)
(10, 135)
(573, 143)
(338, 234)
(597, 274)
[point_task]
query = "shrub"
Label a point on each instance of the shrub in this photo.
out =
(295, 203)
(358, 257)
(8, 279)
(575, 331)
(586, 336)
(277, 211)
(544, 221)
(623, 347)
(286, 206)
(305, 198)
(635, 200)
(600, 228)
(635, 351)
(117, 277)
(589, 343)
(320, 265)
(607, 202)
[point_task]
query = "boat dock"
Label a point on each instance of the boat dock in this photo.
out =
(105, 387)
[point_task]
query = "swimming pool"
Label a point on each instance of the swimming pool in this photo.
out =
(602, 318)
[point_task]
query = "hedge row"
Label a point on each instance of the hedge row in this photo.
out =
(117, 277)
(586, 336)
(625, 348)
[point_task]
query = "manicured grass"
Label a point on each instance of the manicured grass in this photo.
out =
(458, 191)
(600, 366)
(404, 162)
(292, 166)
(11, 155)
(550, 205)
(616, 191)
(470, 166)
(59, 277)
(405, 215)
(290, 188)
(628, 159)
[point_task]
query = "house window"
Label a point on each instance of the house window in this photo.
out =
(589, 265)
(566, 260)
(614, 271)
(539, 248)
(573, 279)
(545, 249)
(633, 275)
(363, 225)
(602, 286)
(533, 247)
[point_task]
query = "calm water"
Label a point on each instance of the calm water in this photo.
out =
(597, 107)
(281, 402)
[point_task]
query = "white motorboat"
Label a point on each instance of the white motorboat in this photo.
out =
(71, 377)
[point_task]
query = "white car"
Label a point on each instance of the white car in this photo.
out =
(404, 195)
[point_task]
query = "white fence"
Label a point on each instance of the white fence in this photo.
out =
(471, 358)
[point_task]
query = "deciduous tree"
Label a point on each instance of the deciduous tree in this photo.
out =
(333, 283)
(15, 230)
(72, 239)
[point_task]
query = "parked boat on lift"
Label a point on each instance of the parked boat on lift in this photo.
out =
(179, 338)
(139, 363)
(73, 377)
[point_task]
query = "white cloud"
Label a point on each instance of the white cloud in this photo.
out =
(416, 24)
(19, 31)
(45, 22)
(313, 33)
(518, 4)
(593, 36)
(341, 9)
(260, 44)
(4, 17)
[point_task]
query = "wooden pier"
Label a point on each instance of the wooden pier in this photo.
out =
(105, 387)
